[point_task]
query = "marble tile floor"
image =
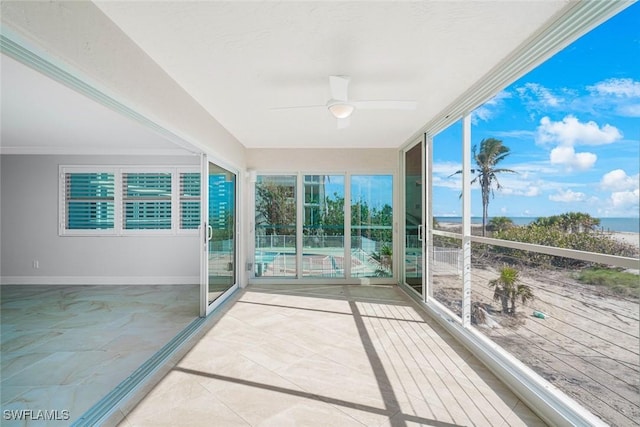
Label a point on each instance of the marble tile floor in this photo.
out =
(328, 356)
(65, 347)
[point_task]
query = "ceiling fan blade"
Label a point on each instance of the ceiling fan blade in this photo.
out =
(385, 105)
(298, 107)
(344, 123)
(339, 86)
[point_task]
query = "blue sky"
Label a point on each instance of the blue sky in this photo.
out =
(573, 127)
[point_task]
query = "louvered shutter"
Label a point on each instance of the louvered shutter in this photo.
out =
(89, 201)
(146, 201)
(189, 200)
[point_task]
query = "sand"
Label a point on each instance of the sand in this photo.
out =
(587, 345)
(626, 237)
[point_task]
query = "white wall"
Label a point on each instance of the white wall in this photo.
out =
(322, 160)
(29, 231)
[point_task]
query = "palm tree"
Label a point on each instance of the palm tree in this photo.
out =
(491, 153)
(508, 288)
(500, 223)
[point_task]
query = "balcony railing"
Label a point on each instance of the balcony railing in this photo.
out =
(578, 327)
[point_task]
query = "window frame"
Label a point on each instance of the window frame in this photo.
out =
(348, 278)
(119, 200)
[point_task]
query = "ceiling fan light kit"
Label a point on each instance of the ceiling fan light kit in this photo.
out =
(340, 110)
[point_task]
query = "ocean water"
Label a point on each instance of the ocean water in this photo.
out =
(606, 224)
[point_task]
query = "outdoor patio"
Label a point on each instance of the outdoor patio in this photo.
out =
(328, 355)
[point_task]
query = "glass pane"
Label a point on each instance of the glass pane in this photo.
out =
(413, 218)
(323, 240)
(573, 322)
(90, 201)
(371, 226)
(275, 226)
(446, 179)
(222, 229)
(147, 201)
(189, 200)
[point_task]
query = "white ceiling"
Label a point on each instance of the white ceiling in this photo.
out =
(240, 59)
(41, 116)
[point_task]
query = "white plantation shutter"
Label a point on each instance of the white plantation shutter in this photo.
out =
(189, 200)
(89, 201)
(121, 201)
(146, 201)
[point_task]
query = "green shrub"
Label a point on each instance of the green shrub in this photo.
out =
(550, 235)
(620, 282)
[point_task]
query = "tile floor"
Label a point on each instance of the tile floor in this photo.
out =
(66, 347)
(328, 356)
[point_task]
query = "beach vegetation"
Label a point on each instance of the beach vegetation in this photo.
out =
(492, 151)
(500, 223)
(508, 289)
(569, 222)
(574, 232)
(620, 282)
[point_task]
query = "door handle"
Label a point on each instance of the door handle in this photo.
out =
(209, 233)
(420, 233)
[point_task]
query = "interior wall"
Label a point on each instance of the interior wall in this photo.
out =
(29, 211)
(321, 160)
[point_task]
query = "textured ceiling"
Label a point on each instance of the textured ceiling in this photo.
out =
(239, 60)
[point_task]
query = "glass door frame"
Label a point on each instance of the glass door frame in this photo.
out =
(205, 307)
(424, 228)
(311, 280)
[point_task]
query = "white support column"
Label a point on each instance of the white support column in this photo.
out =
(299, 223)
(428, 254)
(347, 226)
(466, 220)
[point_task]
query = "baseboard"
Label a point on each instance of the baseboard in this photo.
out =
(99, 280)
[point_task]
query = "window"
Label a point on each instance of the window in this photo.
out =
(90, 201)
(120, 201)
(146, 201)
(319, 226)
(189, 200)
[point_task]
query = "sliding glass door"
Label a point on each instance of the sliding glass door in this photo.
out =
(219, 233)
(314, 227)
(323, 226)
(414, 194)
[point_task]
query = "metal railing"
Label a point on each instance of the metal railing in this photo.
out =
(578, 328)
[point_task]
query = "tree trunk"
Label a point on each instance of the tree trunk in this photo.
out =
(504, 299)
(485, 210)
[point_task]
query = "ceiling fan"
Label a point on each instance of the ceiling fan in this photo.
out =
(342, 109)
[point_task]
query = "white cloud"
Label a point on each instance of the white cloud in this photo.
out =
(490, 108)
(535, 94)
(515, 134)
(526, 191)
(625, 189)
(570, 131)
(567, 196)
(618, 180)
(446, 168)
(622, 88)
(567, 157)
(625, 199)
(533, 192)
(631, 110)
